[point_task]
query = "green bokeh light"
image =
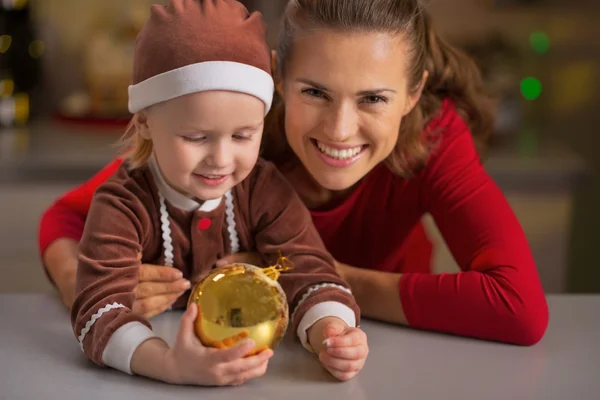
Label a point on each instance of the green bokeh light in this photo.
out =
(540, 42)
(531, 88)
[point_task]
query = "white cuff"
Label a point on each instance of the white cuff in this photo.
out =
(320, 311)
(122, 344)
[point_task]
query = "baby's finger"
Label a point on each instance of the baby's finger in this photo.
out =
(340, 364)
(239, 367)
(257, 350)
(252, 373)
(348, 353)
(351, 337)
(341, 375)
(186, 325)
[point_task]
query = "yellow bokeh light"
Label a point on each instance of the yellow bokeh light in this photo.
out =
(21, 108)
(7, 87)
(573, 86)
(20, 4)
(37, 48)
(5, 42)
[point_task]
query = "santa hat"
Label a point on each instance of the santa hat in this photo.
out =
(190, 46)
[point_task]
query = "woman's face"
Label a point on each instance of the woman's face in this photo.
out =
(345, 95)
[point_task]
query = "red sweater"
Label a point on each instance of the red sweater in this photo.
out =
(498, 294)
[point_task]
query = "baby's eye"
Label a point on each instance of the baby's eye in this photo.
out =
(199, 139)
(241, 137)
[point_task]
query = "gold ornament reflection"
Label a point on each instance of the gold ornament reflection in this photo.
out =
(241, 301)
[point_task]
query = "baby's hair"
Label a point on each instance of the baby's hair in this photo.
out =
(133, 147)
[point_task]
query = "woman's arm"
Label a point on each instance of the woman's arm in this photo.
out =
(498, 294)
(61, 228)
(60, 259)
(376, 292)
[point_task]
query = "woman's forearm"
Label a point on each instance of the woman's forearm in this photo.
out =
(60, 260)
(377, 293)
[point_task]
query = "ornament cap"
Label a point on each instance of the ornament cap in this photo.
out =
(283, 264)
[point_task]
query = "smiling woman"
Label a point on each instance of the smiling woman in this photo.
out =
(342, 155)
(345, 103)
(386, 119)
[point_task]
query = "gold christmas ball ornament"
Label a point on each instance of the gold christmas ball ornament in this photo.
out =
(240, 301)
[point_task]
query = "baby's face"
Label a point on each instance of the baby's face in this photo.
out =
(207, 142)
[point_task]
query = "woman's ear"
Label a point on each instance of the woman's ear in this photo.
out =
(276, 73)
(140, 120)
(414, 97)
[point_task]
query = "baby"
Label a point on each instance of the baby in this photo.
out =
(193, 190)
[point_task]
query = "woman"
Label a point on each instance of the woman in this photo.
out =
(376, 126)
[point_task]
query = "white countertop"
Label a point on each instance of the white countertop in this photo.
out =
(40, 359)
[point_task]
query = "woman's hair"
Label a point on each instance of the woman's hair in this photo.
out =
(452, 74)
(133, 146)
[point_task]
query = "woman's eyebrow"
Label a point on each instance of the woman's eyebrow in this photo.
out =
(366, 92)
(313, 83)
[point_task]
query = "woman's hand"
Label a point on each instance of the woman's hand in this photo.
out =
(341, 269)
(158, 288)
(246, 258)
(371, 289)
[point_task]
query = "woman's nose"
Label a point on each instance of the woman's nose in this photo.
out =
(341, 123)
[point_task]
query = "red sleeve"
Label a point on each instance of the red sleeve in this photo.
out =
(66, 217)
(498, 295)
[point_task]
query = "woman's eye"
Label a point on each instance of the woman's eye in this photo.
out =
(312, 92)
(374, 99)
(200, 139)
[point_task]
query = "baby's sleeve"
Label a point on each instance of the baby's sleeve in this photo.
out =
(107, 330)
(282, 224)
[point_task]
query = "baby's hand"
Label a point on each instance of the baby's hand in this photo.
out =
(192, 363)
(342, 350)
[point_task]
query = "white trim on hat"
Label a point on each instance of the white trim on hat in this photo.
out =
(200, 77)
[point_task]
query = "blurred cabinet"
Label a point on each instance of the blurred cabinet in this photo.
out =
(20, 209)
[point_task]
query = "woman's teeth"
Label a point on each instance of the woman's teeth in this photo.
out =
(338, 154)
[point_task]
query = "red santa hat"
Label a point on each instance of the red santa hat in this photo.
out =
(190, 46)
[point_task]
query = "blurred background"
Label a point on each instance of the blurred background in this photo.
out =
(64, 71)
